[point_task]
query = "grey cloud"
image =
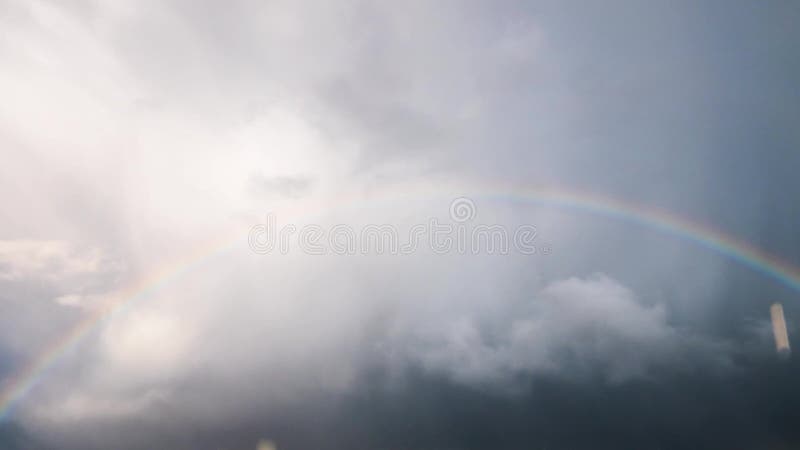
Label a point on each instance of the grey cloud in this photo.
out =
(391, 127)
(574, 329)
(281, 186)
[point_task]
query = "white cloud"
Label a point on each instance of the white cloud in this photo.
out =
(572, 328)
(49, 260)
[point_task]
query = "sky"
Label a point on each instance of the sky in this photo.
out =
(144, 143)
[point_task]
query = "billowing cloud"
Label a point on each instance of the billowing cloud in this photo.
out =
(573, 328)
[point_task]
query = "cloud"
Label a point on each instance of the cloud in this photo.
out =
(52, 260)
(574, 328)
(282, 186)
(133, 132)
(69, 274)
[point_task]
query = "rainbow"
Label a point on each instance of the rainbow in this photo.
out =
(16, 388)
(21, 384)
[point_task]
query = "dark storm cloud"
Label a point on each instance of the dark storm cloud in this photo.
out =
(13, 437)
(671, 411)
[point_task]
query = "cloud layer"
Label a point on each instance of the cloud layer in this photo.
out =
(134, 133)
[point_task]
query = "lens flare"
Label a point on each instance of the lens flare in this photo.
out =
(779, 330)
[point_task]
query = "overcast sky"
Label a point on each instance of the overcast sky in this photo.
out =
(133, 133)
